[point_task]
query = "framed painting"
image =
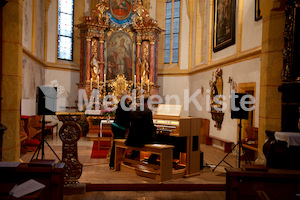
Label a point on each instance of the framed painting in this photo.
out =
(119, 55)
(257, 10)
(224, 24)
(121, 9)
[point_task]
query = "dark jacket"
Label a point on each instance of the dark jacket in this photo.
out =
(142, 129)
(122, 116)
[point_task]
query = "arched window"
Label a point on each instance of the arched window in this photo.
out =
(65, 29)
(172, 31)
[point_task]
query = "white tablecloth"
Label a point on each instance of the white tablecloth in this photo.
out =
(292, 138)
(104, 122)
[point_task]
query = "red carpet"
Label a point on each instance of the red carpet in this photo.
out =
(104, 147)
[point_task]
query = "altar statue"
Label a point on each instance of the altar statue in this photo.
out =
(145, 70)
(95, 69)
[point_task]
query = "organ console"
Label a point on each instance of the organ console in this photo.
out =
(185, 132)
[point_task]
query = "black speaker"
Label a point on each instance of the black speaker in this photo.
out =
(239, 112)
(46, 100)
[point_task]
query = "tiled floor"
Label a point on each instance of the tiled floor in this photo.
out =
(97, 170)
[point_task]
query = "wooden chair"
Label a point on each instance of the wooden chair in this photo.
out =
(252, 133)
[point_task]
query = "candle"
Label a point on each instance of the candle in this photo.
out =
(134, 81)
(104, 80)
(98, 82)
(141, 83)
(148, 85)
(91, 85)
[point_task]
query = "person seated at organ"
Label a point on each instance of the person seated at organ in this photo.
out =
(121, 124)
(142, 130)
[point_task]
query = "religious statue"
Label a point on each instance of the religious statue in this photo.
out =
(100, 12)
(145, 70)
(216, 88)
(142, 17)
(95, 69)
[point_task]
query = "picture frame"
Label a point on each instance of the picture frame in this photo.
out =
(119, 55)
(257, 11)
(224, 24)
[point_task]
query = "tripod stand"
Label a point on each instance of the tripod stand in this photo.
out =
(240, 146)
(41, 146)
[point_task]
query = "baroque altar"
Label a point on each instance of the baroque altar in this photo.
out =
(119, 43)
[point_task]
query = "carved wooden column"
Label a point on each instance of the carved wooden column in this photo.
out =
(88, 59)
(69, 134)
(152, 61)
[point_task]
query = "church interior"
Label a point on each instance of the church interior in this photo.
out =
(222, 76)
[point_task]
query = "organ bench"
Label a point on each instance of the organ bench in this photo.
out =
(165, 152)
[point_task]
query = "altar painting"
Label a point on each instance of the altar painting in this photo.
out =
(119, 55)
(120, 9)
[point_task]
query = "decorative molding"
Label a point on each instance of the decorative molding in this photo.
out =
(288, 45)
(239, 57)
(47, 65)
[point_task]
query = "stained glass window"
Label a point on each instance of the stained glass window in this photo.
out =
(168, 31)
(176, 31)
(65, 29)
(172, 30)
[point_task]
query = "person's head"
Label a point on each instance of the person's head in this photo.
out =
(144, 100)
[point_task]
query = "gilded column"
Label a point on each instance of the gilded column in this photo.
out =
(101, 59)
(138, 56)
(88, 59)
(152, 61)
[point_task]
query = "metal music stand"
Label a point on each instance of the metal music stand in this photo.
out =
(41, 146)
(240, 146)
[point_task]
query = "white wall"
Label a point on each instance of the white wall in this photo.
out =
(243, 72)
(27, 24)
(67, 90)
(40, 29)
(174, 85)
(33, 75)
(252, 30)
(184, 37)
(66, 83)
(152, 11)
(52, 33)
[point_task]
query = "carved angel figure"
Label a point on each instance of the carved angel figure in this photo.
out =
(101, 13)
(142, 17)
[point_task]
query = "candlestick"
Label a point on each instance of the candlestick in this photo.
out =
(98, 82)
(91, 85)
(134, 81)
(141, 83)
(148, 85)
